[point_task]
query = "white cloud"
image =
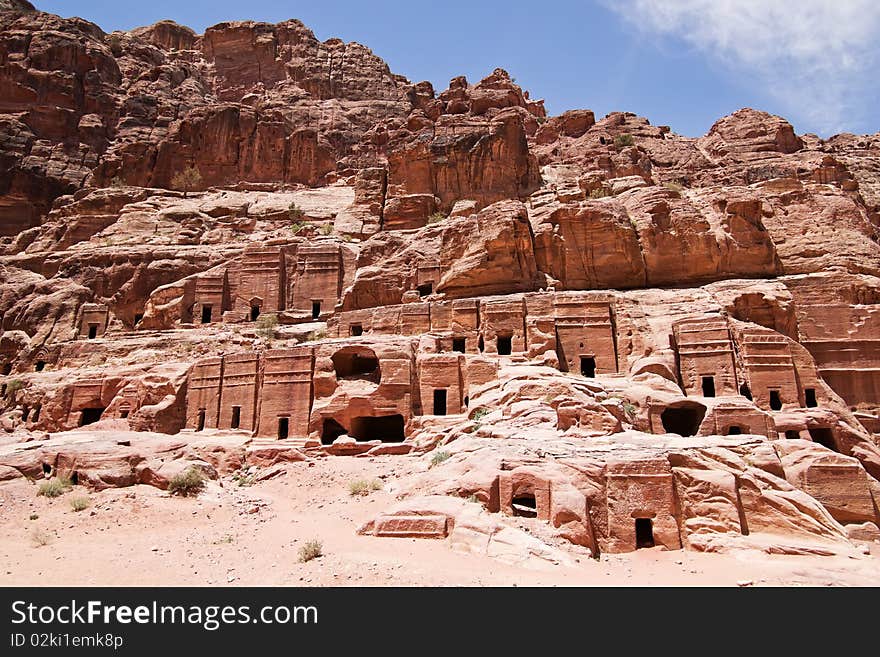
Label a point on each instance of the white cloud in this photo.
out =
(816, 56)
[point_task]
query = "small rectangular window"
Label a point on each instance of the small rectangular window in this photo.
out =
(505, 345)
(236, 416)
(458, 344)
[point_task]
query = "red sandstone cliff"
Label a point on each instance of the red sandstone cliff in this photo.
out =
(603, 320)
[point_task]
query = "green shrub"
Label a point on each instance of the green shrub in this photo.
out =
(674, 187)
(296, 213)
(311, 550)
(14, 386)
(326, 229)
(188, 482)
(439, 457)
(599, 192)
(363, 487)
(436, 217)
(629, 409)
(623, 140)
(187, 180)
(298, 226)
(53, 487)
(266, 325)
(79, 503)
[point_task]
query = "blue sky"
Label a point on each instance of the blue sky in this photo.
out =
(682, 63)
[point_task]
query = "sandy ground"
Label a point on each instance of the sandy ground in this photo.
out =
(233, 535)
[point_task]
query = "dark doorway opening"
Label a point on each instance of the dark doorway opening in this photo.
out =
(123, 414)
(316, 309)
(588, 367)
(200, 423)
(505, 345)
(7, 369)
(356, 363)
(745, 392)
(356, 330)
(467, 401)
(708, 386)
(792, 434)
(440, 402)
(824, 437)
(524, 505)
(458, 344)
(3, 390)
(386, 428)
(24, 414)
(331, 430)
(207, 311)
(425, 289)
(734, 430)
(93, 331)
(137, 318)
(74, 478)
(480, 344)
(810, 397)
(255, 312)
(683, 420)
(644, 533)
(283, 427)
(36, 415)
(39, 366)
(236, 417)
(47, 469)
(90, 416)
(775, 400)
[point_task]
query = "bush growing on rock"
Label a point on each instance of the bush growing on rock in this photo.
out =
(439, 457)
(623, 140)
(187, 180)
(188, 482)
(266, 325)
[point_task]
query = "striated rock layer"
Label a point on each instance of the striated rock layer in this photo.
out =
(268, 248)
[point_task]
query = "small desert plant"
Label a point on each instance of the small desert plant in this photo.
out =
(244, 478)
(54, 487)
(599, 192)
(317, 335)
(439, 457)
(79, 503)
(436, 217)
(298, 226)
(188, 482)
(363, 487)
(296, 213)
(674, 187)
(14, 386)
(266, 325)
(117, 181)
(187, 180)
(480, 413)
(473, 499)
(311, 550)
(623, 140)
(629, 409)
(326, 229)
(229, 538)
(541, 120)
(40, 537)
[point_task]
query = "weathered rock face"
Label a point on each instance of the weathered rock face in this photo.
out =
(624, 336)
